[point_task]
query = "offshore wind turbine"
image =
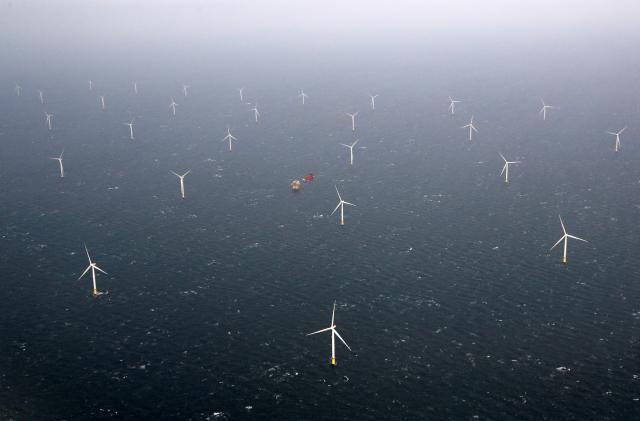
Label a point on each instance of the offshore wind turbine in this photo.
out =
(93, 267)
(303, 96)
(48, 116)
(471, 127)
(341, 204)
(230, 138)
(505, 169)
(373, 101)
(59, 159)
(130, 124)
(617, 135)
(102, 101)
(90, 85)
(173, 106)
(135, 87)
(240, 92)
(256, 113)
(351, 149)
(181, 177)
(544, 108)
(18, 89)
(334, 333)
(452, 105)
(565, 237)
(41, 96)
(353, 120)
(185, 90)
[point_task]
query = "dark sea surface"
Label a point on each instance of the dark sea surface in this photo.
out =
(446, 289)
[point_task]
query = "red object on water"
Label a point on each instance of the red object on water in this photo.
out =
(308, 178)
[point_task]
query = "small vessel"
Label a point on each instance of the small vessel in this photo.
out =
(295, 185)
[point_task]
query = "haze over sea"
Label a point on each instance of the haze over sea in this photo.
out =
(446, 289)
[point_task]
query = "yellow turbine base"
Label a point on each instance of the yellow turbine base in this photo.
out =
(564, 260)
(95, 293)
(333, 362)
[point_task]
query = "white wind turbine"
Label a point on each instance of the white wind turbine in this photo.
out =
(41, 96)
(505, 169)
(353, 120)
(102, 101)
(617, 135)
(565, 237)
(341, 204)
(241, 93)
(181, 177)
(373, 101)
(173, 105)
(48, 116)
(334, 333)
(93, 268)
(135, 88)
(303, 96)
(59, 159)
(351, 149)
(185, 90)
(130, 124)
(256, 113)
(229, 137)
(452, 105)
(544, 108)
(471, 127)
(90, 85)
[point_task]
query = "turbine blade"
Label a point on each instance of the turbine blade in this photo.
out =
(97, 268)
(347, 203)
(338, 193)
(334, 211)
(340, 337)
(562, 223)
(85, 272)
(333, 314)
(87, 250)
(559, 241)
(577, 238)
(504, 168)
(319, 331)
(177, 175)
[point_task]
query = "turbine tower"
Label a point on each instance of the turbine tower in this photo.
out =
(373, 101)
(48, 116)
(93, 268)
(472, 128)
(181, 177)
(341, 204)
(130, 124)
(303, 96)
(230, 138)
(353, 120)
(565, 237)
(505, 169)
(173, 106)
(452, 105)
(59, 159)
(351, 149)
(544, 108)
(334, 333)
(617, 135)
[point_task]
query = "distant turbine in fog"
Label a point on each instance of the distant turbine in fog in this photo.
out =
(505, 169)
(93, 268)
(351, 149)
(353, 120)
(334, 333)
(135, 87)
(102, 101)
(373, 101)
(230, 138)
(471, 127)
(617, 135)
(18, 89)
(565, 237)
(341, 204)
(256, 113)
(185, 90)
(130, 124)
(240, 91)
(303, 96)
(544, 108)
(452, 105)
(90, 85)
(181, 177)
(41, 95)
(48, 116)
(173, 106)
(59, 159)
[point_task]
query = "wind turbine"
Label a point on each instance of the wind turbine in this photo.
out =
(230, 138)
(565, 237)
(135, 87)
(334, 333)
(256, 113)
(452, 105)
(505, 169)
(59, 159)
(353, 120)
(544, 108)
(41, 95)
(48, 115)
(130, 124)
(373, 101)
(90, 85)
(341, 204)
(303, 96)
(173, 105)
(471, 127)
(93, 268)
(351, 149)
(181, 177)
(18, 89)
(185, 90)
(617, 135)
(240, 92)
(102, 101)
